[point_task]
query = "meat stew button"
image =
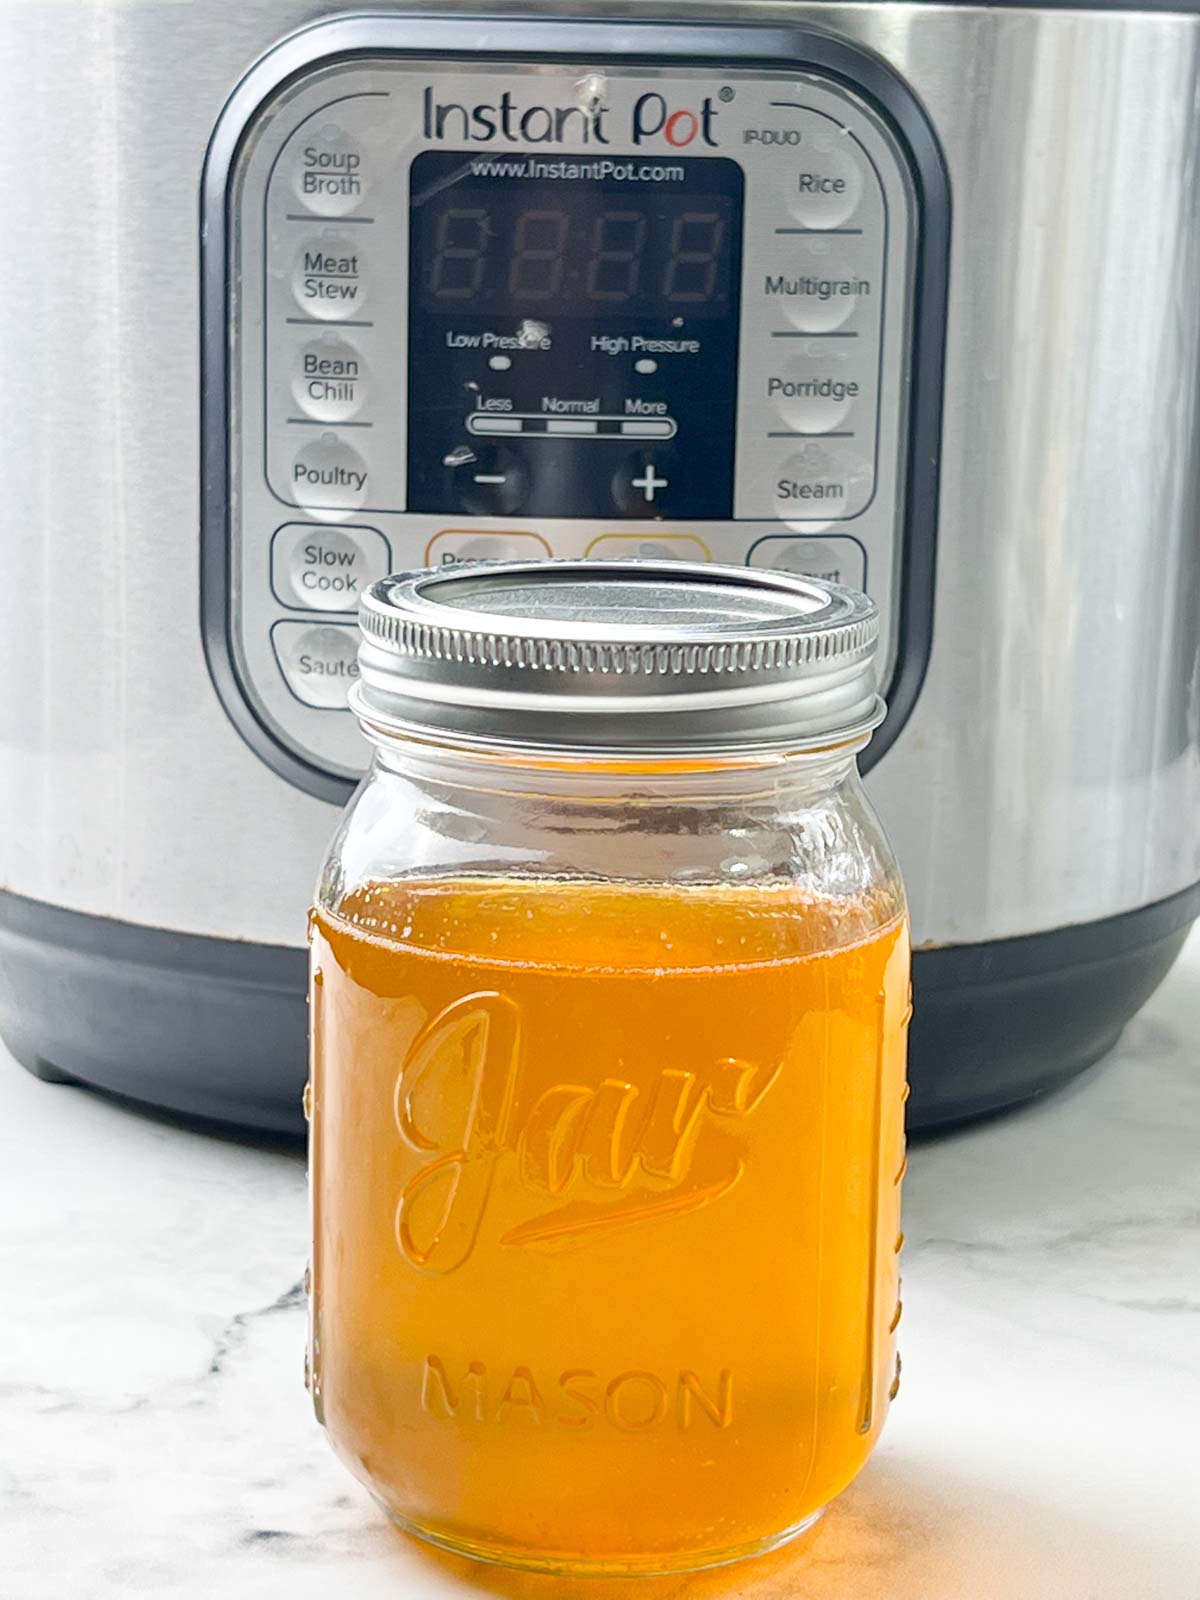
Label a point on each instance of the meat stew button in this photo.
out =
(318, 660)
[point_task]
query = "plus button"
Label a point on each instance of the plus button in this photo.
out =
(649, 483)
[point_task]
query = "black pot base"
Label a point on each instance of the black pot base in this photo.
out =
(216, 1029)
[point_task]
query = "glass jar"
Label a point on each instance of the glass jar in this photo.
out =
(610, 987)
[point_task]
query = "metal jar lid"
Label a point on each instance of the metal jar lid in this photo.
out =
(608, 657)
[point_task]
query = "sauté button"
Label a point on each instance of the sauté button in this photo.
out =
(836, 560)
(328, 277)
(326, 569)
(489, 480)
(318, 660)
(329, 379)
(330, 476)
(329, 171)
(462, 544)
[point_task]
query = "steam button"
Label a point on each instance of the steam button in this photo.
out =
(822, 482)
(329, 171)
(318, 660)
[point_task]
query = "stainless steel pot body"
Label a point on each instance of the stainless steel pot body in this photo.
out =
(1049, 774)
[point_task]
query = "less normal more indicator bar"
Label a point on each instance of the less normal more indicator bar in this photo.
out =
(534, 425)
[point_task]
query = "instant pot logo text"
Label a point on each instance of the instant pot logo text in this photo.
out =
(507, 121)
(593, 1156)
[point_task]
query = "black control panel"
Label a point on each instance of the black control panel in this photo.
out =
(573, 336)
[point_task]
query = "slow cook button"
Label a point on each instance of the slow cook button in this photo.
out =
(836, 560)
(329, 171)
(821, 482)
(329, 381)
(327, 278)
(329, 475)
(319, 661)
(326, 569)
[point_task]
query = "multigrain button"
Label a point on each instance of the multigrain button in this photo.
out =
(812, 396)
(821, 482)
(328, 170)
(318, 660)
(328, 277)
(329, 476)
(329, 380)
(818, 283)
(326, 569)
(836, 560)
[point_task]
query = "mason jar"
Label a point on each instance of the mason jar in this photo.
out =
(610, 987)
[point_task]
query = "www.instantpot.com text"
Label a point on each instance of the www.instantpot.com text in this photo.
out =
(602, 167)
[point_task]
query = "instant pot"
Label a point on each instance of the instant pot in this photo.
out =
(907, 296)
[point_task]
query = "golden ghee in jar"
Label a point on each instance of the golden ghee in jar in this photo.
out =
(607, 1087)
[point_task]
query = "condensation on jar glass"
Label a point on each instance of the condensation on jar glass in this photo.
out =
(609, 1004)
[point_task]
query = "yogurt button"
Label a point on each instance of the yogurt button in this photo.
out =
(329, 380)
(329, 475)
(837, 560)
(328, 170)
(318, 660)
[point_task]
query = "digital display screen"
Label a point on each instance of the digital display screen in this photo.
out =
(573, 335)
(504, 249)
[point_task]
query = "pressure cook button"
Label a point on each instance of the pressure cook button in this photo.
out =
(328, 475)
(318, 660)
(821, 482)
(462, 544)
(826, 185)
(329, 381)
(836, 560)
(328, 277)
(489, 480)
(328, 171)
(326, 569)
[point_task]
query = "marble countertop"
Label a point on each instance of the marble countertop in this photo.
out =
(155, 1438)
